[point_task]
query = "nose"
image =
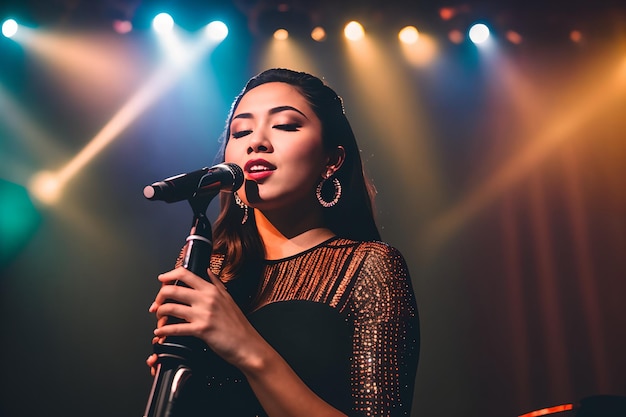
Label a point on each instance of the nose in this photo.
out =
(259, 142)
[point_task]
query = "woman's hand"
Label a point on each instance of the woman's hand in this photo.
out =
(209, 314)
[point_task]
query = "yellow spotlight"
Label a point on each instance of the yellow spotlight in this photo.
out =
(420, 53)
(318, 34)
(46, 187)
(354, 31)
(288, 53)
(408, 35)
(281, 34)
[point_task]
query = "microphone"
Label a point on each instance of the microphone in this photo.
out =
(199, 183)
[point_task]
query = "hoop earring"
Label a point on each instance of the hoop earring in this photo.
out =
(243, 206)
(336, 196)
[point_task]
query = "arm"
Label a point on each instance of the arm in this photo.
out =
(212, 315)
(386, 338)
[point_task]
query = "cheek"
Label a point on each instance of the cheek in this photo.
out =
(232, 152)
(309, 154)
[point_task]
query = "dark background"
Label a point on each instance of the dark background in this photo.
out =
(500, 178)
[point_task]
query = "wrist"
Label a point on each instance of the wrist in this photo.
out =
(257, 361)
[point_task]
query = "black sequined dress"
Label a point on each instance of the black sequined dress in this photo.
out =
(343, 315)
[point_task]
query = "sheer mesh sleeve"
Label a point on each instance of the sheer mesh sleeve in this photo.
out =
(386, 337)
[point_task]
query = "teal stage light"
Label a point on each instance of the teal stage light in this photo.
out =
(479, 33)
(217, 31)
(163, 23)
(9, 28)
(19, 219)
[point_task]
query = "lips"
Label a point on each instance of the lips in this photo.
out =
(258, 169)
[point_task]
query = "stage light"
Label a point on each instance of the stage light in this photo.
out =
(163, 23)
(18, 219)
(46, 187)
(455, 36)
(514, 37)
(9, 28)
(479, 33)
(281, 34)
(354, 31)
(421, 52)
(122, 26)
(549, 410)
(318, 34)
(447, 13)
(408, 35)
(576, 36)
(217, 31)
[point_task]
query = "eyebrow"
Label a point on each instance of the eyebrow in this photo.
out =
(273, 110)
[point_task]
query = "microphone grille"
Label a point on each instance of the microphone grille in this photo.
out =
(237, 173)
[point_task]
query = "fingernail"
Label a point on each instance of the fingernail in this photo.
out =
(152, 307)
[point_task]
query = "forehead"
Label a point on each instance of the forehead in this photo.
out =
(270, 95)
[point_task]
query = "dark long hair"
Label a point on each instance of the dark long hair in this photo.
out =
(352, 217)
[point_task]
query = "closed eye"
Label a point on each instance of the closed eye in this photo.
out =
(289, 127)
(241, 133)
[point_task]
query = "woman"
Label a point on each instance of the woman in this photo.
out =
(307, 312)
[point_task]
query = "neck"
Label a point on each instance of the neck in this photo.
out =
(284, 235)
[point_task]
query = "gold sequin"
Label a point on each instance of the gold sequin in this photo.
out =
(370, 283)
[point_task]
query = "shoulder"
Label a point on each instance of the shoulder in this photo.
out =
(383, 286)
(377, 248)
(378, 263)
(381, 255)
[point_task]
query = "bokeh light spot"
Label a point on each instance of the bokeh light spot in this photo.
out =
(18, 219)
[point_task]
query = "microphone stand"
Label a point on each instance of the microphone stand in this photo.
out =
(178, 357)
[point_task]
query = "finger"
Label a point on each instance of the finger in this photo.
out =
(159, 340)
(152, 359)
(170, 276)
(151, 362)
(178, 329)
(183, 275)
(180, 311)
(174, 293)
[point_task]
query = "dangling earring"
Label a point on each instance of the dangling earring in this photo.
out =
(242, 205)
(336, 196)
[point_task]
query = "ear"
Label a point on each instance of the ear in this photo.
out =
(335, 160)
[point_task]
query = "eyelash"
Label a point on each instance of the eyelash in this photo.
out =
(289, 127)
(240, 134)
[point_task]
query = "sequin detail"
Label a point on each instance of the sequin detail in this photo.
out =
(369, 282)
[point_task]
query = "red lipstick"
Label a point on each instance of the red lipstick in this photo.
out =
(258, 169)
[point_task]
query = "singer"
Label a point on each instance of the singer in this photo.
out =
(306, 311)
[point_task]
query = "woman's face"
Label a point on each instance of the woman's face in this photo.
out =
(277, 139)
